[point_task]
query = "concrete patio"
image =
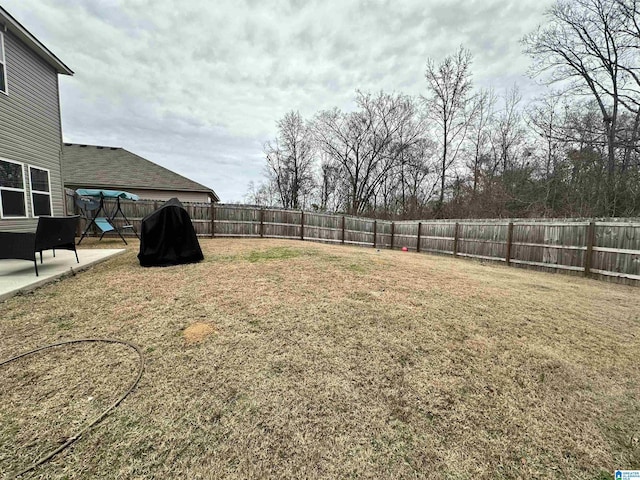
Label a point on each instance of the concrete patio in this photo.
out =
(20, 276)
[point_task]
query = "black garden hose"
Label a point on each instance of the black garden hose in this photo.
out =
(78, 435)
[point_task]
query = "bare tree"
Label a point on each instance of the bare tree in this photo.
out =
(414, 156)
(630, 99)
(290, 160)
(448, 103)
(509, 130)
(387, 200)
(480, 132)
(262, 194)
(546, 120)
(362, 143)
(575, 151)
(583, 48)
(329, 191)
(419, 179)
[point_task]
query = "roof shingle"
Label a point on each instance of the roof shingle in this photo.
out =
(115, 167)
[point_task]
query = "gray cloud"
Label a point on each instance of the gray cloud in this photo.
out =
(199, 88)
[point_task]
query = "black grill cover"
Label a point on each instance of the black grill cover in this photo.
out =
(167, 237)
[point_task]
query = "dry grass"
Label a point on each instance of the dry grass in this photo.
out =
(326, 361)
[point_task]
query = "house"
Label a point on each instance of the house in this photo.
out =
(30, 128)
(114, 168)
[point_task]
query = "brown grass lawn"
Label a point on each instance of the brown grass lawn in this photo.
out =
(284, 359)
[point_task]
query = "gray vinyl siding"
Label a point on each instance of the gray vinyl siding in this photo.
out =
(30, 130)
(149, 194)
(164, 195)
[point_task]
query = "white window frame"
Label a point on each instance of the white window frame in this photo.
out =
(11, 189)
(3, 61)
(33, 205)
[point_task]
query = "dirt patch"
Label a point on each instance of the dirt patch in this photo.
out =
(197, 332)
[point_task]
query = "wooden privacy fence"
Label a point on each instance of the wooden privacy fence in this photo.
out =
(607, 249)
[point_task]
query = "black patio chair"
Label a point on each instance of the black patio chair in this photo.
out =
(52, 233)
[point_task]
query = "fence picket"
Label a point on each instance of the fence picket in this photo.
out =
(607, 249)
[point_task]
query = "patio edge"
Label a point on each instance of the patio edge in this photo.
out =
(58, 276)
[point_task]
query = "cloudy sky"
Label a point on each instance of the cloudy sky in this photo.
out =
(198, 85)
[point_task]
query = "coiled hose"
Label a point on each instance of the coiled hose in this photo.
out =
(78, 435)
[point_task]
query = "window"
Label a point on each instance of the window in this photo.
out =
(3, 66)
(40, 191)
(12, 190)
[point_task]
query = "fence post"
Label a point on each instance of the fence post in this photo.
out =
(343, 222)
(301, 224)
(418, 244)
(393, 232)
(588, 254)
(262, 223)
(213, 219)
(455, 239)
(509, 241)
(375, 232)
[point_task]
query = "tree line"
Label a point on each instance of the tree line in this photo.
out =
(457, 151)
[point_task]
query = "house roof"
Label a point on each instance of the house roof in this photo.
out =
(111, 167)
(23, 34)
